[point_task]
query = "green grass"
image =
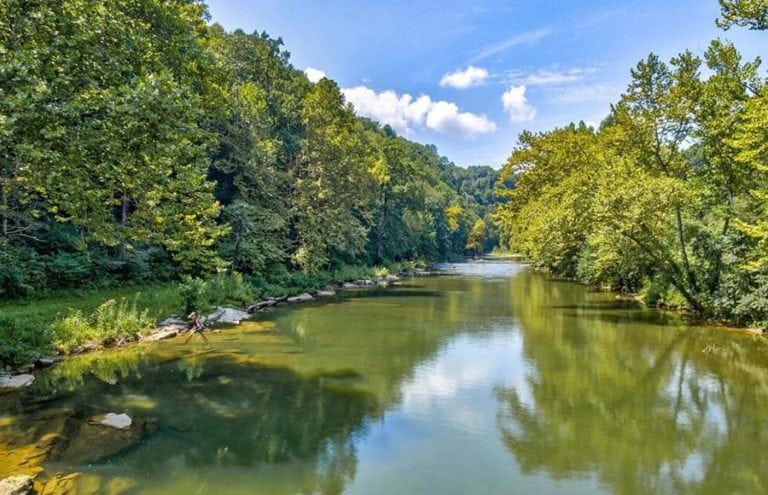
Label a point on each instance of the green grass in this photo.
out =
(159, 300)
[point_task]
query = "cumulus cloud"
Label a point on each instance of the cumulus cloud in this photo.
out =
(405, 113)
(528, 38)
(313, 74)
(516, 105)
(463, 79)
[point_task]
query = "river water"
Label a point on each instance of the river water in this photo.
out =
(489, 379)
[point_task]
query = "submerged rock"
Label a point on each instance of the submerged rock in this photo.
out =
(16, 381)
(301, 298)
(103, 436)
(17, 485)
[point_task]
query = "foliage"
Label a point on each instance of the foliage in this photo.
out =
(112, 322)
(22, 342)
(750, 13)
(194, 294)
(666, 198)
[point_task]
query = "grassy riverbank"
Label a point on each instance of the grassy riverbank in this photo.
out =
(63, 322)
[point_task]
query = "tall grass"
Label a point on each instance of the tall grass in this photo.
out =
(111, 323)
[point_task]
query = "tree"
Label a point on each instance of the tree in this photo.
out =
(752, 14)
(331, 181)
(476, 240)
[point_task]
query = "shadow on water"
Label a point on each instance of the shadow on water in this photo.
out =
(204, 411)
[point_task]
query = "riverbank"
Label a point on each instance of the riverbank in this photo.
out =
(46, 335)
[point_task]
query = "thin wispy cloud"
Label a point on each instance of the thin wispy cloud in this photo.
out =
(551, 77)
(597, 92)
(528, 38)
(466, 78)
(405, 113)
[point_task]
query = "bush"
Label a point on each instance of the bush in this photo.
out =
(346, 273)
(21, 344)
(230, 288)
(111, 323)
(194, 294)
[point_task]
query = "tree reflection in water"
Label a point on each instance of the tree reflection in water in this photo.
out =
(671, 411)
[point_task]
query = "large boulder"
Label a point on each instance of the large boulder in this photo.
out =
(16, 381)
(17, 485)
(103, 436)
(227, 316)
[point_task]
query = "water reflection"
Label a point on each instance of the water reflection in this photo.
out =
(492, 379)
(646, 411)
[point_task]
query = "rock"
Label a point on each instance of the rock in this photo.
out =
(300, 298)
(17, 485)
(261, 305)
(325, 293)
(383, 284)
(348, 285)
(117, 421)
(227, 316)
(172, 322)
(45, 362)
(162, 335)
(366, 282)
(94, 440)
(16, 381)
(391, 278)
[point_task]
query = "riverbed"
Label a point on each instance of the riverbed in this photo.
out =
(489, 378)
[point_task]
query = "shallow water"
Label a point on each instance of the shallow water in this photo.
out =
(489, 379)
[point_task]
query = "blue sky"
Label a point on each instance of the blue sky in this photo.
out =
(469, 76)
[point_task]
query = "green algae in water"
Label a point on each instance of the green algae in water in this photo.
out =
(491, 379)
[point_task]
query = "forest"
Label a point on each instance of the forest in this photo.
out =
(668, 198)
(141, 143)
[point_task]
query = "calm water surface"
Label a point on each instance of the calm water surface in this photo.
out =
(488, 380)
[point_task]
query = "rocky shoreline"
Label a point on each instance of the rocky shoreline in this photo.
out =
(116, 431)
(173, 326)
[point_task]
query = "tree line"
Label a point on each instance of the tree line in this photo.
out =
(139, 142)
(669, 196)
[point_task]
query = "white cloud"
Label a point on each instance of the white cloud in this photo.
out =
(463, 79)
(588, 92)
(549, 77)
(517, 40)
(404, 113)
(313, 74)
(516, 104)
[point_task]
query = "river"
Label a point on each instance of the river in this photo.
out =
(488, 379)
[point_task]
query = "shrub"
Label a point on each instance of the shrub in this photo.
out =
(21, 344)
(193, 292)
(111, 323)
(230, 288)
